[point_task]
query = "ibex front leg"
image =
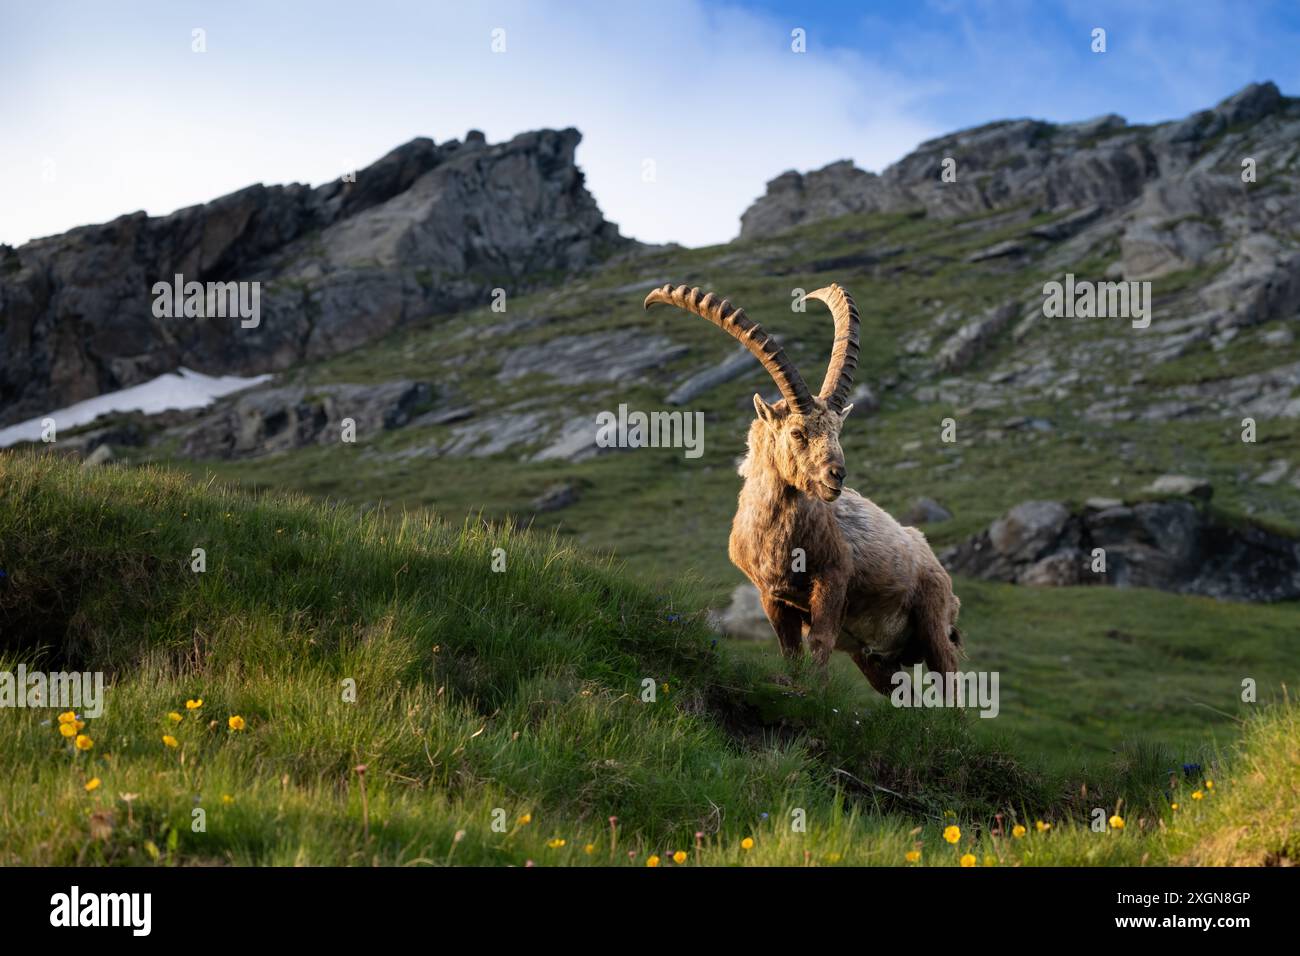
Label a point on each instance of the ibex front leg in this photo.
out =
(827, 609)
(787, 621)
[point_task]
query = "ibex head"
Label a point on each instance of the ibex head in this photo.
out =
(802, 431)
(804, 446)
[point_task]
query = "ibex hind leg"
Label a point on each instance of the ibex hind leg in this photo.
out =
(935, 641)
(878, 671)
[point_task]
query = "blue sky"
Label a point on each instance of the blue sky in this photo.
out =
(107, 109)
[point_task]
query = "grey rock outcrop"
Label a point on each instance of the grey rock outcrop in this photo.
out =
(596, 357)
(269, 420)
(1097, 165)
(426, 229)
(974, 337)
(1178, 545)
(705, 380)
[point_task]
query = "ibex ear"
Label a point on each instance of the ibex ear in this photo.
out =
(845, 414)
(765, 411)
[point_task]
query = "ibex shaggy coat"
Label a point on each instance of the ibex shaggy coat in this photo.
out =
(828, 564)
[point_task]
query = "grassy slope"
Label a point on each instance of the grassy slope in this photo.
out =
(478, 691)
(1084, 669)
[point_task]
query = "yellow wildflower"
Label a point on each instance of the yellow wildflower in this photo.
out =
(913, 856)
(1197, 795)
(679, 856)
(589, 849)
(194, 704)
(68, 730)
(968, 859)
(1018, 831)
(747, 843)
(952, 834)
(556, 843)
(236, 722)
(92, 784)
(526, 819)
(174, 717)
(652, 861)
(170, 741)
(1042, 827)
(67, 717)
(83, 742)
(1116, 822)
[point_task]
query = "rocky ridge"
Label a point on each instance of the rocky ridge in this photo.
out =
(428, 228)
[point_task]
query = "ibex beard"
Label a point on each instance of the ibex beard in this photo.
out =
(829, 564)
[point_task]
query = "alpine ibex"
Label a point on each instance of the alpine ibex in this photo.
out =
(826, 561)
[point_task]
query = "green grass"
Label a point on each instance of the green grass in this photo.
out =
(1256, 820)
(481, 696)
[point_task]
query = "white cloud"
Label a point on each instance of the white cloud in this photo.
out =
(131, 118)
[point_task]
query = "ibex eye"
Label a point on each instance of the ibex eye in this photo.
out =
(798, 435)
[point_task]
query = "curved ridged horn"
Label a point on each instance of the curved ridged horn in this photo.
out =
(735, 323)
(844, 354)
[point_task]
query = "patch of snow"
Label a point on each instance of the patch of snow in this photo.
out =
(181, 389)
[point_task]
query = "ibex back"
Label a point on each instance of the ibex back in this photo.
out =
(828, 563)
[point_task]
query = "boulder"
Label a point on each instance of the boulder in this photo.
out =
(743, 618)
(1176, 545)
(102, 455)
(1061, 569)
(973, 338)
(1182, 485)
(926, 511)
(555, 497)
(1028, 530)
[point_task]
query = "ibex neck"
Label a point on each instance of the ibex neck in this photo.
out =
(766, 493)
